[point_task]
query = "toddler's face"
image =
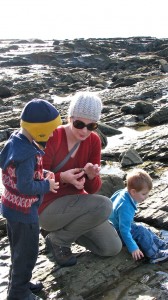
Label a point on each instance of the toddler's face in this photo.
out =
(141, 195)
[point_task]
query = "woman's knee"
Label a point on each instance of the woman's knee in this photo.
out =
(113, 248)
(105, 205)
(114, 241)
(107, 240)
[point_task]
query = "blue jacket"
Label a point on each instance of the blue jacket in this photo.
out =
(22, 177)
(122, 216)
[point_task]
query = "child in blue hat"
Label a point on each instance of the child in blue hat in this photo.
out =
(25, 182)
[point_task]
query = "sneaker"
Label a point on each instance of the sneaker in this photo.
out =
(160, 257)
(164, 247)
(36, 287)
(33, 297)
(62, 255)
(29, 297)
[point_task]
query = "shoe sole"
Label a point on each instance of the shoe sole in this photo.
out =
(158, 260)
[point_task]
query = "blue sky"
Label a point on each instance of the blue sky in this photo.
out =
(61, 19)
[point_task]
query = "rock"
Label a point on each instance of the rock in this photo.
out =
(108, 130)
(164, 65)
(138, 108)
(5, 92)
(130, 158)
(102, 137)
(110, 184)
(159, 116)
(129, 74)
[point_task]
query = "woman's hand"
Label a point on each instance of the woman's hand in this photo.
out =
(137, 254)
(91, 170)
(74, 176)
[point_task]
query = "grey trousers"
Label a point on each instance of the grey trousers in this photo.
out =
(82, 219)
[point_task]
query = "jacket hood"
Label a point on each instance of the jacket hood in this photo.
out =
(17, 149)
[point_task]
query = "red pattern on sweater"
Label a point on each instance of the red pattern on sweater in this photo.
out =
(11, 196)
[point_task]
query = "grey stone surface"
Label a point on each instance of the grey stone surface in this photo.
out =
(130, 75)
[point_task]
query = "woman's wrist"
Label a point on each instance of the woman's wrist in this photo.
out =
(61, 178)
(89, 177)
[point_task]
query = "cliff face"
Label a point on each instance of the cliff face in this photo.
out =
(131, 77)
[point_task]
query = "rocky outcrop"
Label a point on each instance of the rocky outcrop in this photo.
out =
(130, 75)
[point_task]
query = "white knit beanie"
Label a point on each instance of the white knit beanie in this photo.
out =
(85, 105)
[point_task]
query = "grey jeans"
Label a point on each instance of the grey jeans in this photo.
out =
(82, 219)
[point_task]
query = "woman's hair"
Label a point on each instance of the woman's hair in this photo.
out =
(138, 179)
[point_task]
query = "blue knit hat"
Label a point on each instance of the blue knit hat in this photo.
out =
(40, 118)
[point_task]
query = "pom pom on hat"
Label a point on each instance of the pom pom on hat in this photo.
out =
(40, 118)
(85, 105)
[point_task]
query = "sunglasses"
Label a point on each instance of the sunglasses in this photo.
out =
(80, 125)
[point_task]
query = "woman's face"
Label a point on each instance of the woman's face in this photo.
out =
(76, 125)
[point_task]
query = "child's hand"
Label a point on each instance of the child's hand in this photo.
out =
(50, 175)
(137, 254)
(53, 185)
